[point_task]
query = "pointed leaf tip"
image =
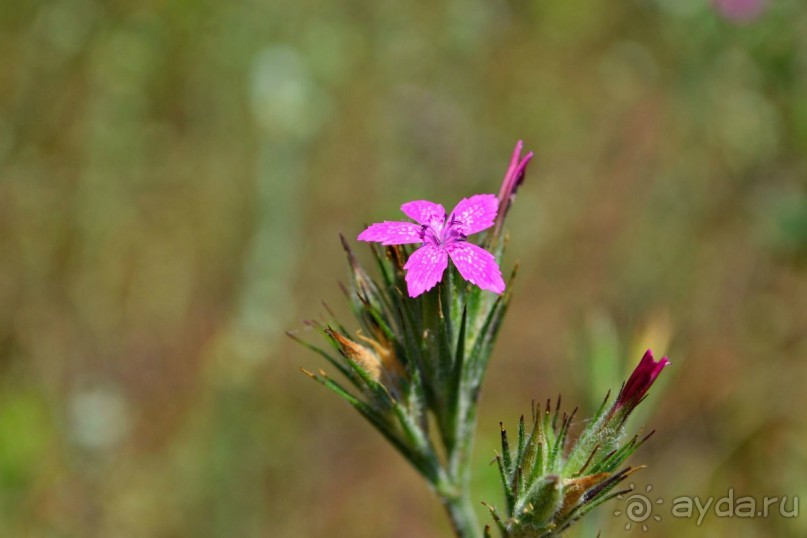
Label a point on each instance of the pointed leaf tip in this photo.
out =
(648, 436)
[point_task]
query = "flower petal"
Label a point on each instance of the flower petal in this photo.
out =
(392, 233)
(513, 179)
(425, 212)
(474, 214)
(424, 269)
(640, 381)
(477, 266)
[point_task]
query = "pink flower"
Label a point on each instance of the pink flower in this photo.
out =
(740, 10)
(640, 381)
(443, 238)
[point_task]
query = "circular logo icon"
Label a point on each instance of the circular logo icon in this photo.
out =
(638, 507)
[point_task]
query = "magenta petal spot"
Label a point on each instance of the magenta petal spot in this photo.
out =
(425, 212)
(474, 214)
(424, 269)
(477, 266)
(392, 233)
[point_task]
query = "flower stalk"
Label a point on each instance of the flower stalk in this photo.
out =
(414, 369)
(416, 366)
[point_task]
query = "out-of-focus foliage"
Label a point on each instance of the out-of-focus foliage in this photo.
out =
(173, 176)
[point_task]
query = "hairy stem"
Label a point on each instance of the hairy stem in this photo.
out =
(461, 512)
(457, 499)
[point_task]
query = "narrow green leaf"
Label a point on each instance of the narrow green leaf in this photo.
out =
(521, 442)
(618, 457)
(379, 318)
(509, 499)
(508, 463)
(456, 377)
(480, 351)
(497, 519)
(560, 441)
(319, 351)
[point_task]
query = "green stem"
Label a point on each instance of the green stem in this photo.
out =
(461, 512)
(457, 499)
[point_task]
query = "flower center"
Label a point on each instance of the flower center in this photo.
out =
(440, 234)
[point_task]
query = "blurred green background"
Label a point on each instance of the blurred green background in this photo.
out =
(173, 176)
